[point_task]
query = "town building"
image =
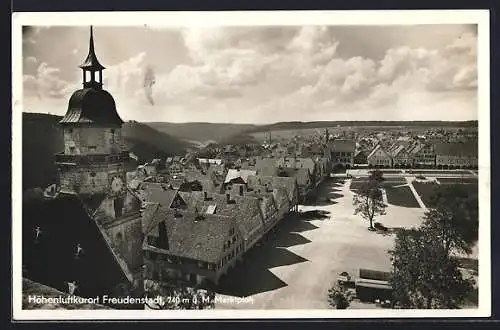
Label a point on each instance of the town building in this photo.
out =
(342, 152)
(423, 154)
(190, 247)
(378, 157)
(457, 155)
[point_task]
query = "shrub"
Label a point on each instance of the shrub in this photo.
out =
(338, 298)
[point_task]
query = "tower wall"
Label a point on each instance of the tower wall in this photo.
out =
(89, 179)
(127, 238)
(92, 140)
(124, 230)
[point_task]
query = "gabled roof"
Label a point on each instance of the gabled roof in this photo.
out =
(243, 209)
(191, 237)
(396, 150)
(289, 184)
(469, 149)
(342, 145)
(377, 148)
(147, 213)
(234, 174)
(158, 193)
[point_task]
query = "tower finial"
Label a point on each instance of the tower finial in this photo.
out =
(92, 65)
(91, 38)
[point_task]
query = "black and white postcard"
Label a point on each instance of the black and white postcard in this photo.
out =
(221, 165)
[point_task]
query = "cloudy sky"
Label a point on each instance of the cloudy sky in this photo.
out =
(262, 74)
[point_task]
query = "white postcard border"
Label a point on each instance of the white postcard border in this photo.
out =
(255, 18)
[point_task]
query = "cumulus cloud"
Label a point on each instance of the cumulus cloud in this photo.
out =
(284, 73)
(45, 83)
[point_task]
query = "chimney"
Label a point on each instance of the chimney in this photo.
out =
(241, 190)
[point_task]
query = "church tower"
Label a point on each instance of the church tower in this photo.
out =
(93, 161)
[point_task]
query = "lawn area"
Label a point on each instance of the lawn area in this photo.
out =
(457, 180)
(400, 196)
(437, 173)
(425, 191)
(395, 180)
(471, 188)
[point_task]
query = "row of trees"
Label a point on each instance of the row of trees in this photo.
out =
(426, 272)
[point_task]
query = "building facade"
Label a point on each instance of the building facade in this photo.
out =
(379, 157)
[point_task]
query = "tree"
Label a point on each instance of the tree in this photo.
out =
(166, 296)
(423, 275)
(368, 200)
(453, 219)
(338, 298)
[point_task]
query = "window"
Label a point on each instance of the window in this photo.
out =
(118, 206)
(70, 130)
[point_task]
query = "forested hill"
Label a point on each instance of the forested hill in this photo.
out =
(42, 138)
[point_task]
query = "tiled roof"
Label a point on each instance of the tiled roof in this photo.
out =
(234, 174)
(158, 193)
(190, 237)
(469, 149)
(297, 162)
(377, 147)
(342, 145)
(148, 210)
(242, 208)
(287, 183)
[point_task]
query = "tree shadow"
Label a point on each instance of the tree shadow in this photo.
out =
(314, 215)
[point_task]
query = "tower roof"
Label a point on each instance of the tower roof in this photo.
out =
(91, 63)
(92, 106)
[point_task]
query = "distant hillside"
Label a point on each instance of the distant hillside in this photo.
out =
(201, 132)
(294, 125)
(147, 143)
(42, 138)
(240, 139)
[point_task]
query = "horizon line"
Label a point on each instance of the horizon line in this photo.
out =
(290, 121)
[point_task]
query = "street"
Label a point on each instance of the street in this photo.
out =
(295, 267)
